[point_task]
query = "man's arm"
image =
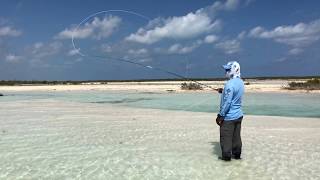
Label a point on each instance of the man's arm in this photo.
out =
(226, 101)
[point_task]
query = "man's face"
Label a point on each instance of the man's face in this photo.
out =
(227, 73)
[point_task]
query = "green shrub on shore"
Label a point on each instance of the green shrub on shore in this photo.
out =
(312, 84)
(190, 86)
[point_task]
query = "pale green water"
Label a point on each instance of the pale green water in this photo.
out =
(274, 104)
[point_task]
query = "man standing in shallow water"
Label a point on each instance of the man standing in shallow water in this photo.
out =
(230, 114)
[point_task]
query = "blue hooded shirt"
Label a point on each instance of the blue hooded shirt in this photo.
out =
(231, 99)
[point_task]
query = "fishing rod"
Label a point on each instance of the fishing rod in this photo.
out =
(150, 67)
(131, 61)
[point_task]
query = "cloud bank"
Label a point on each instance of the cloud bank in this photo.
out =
(296, 36)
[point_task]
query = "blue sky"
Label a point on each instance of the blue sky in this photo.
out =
(192, 38)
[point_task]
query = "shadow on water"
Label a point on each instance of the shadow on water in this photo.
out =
(150, 93)
(216, 150)
(125, 100)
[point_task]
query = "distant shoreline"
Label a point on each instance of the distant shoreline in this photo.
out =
(251, 85)
(75, 82)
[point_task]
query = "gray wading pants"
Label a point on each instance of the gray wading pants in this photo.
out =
(230, 138)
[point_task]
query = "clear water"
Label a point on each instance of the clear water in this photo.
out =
(86, 135)
(274, 104)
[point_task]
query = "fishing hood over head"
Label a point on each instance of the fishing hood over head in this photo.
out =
(232, 69)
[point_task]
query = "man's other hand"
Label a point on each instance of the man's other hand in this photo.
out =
(219, 90)
(219, 120)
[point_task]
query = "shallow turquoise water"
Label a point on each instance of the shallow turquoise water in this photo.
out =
(86, 135)
(275, 104)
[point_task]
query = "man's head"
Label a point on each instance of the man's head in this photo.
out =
(232, 69)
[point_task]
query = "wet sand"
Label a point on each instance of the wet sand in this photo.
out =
(50, 139)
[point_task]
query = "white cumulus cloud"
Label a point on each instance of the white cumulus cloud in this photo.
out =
(210, 39)
(73, 52)
(97, 28)
(299, 35)
(13, 58)
(41, 50)
(226, 5)
(242, 35)
(295, 51)
(141, 51)
(40, 53)
(9, 31)
(183, 27)
(229, 46)
(36, 47)
(179, 49)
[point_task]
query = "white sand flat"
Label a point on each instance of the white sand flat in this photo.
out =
(50, 139)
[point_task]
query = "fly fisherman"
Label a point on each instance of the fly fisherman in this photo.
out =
(230, 114)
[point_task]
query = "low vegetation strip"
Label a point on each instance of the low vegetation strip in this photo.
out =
(312, 84)
(190, 86)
